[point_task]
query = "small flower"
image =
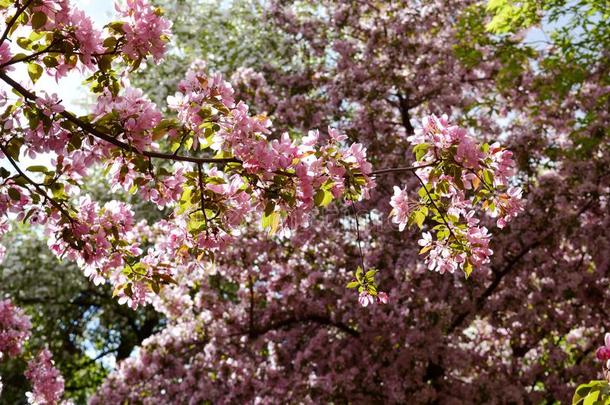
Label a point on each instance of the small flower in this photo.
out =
(400, 207)
(5, 54)
(365, 299)
(382, 298)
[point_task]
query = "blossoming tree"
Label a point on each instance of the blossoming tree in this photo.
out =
(241, 304)
(225, 166)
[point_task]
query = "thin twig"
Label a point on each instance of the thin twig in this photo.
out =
(10, 24)
(436, 207)
(29, 57)
(87, 127)
(201, 190)
(401, 169)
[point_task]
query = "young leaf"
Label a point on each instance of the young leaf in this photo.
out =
(14, 194)
(359, 272)
(34, 71)
(39, 19)
(322, 197)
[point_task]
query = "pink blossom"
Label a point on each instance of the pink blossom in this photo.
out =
(468, 153)
(400, 207)
(603, 353)
(49, 105)
(365, 299)
(146, 31)
(382, 297)
(14, 329)
(5, 54)
(502, 163)
(508, 205)
(136, 114)
(47, 382)
(88, 39)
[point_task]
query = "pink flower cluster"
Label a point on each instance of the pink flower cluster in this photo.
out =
(146, 31)
(98, 238)
(131, 113)
(15, 326)
(456, 175)
(77, 33)
(14, 329)
(603, 353)
(364, 298)
(47, 382)
(205, 102)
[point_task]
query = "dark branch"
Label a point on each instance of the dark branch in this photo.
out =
(13, 20)
(401, 169)
(112, 140)
(292, 321)
(403, 106)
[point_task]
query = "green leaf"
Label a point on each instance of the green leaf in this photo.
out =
(14, 194)
(50, 61)
(155, 287)
(109, 42)
(420, 150)
(322, 198)
(117, 290)
(105, 63)
(425, 249)
(422, 192)
(39, 19)
(271, 218)
(359, 272)
(14, 148)
(590, 392)
(591, 398)
(371, 289)
(370, 275)
(57, 189)
(37, 169)
(488, 177)
(185, 200)
(419, 217)
(35, 36)
(34, 71)
(353, 284)
(468, 268)
(24, 43)
(117, 26)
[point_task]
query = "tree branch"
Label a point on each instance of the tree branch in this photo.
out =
(499, 276)
(316, 319)
(30, 57)
(112, 140)
(403, 107)
(90, 129)
(10, 24)
(401, 169)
